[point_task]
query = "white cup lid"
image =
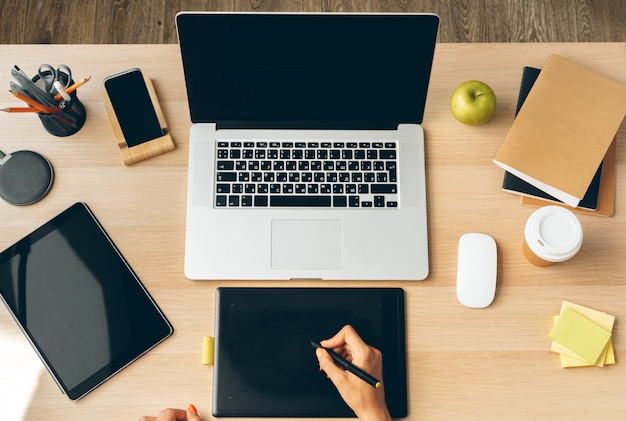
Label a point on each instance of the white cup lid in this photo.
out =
(554, 233)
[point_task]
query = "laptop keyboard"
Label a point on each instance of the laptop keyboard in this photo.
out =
(306, 174)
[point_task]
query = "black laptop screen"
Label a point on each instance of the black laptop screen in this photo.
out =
(307, 70)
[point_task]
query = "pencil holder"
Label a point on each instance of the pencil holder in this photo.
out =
(69, 119)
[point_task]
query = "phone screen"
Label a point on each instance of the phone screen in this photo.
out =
(133, 108)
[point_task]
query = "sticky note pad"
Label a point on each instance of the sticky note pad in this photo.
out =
(569, 359)
(604, 320)
(580, 335)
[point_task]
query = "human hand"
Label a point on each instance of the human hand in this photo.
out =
(170, 414)
(367, 402)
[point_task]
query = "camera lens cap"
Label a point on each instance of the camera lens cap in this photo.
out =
(25, 177)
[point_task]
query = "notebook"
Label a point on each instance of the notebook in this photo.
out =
(306, 154)
(265, 365)
(516, 185)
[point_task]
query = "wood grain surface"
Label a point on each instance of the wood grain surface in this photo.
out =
(463, 364)
(152, 21)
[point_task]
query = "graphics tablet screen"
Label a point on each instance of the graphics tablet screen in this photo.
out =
(265, 365)
(78, 301)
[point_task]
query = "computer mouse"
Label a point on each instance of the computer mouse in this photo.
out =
(476, 270)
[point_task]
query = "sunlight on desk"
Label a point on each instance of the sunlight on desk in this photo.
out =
(21, 370)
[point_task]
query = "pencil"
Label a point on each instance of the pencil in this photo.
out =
(73, 87)
(33, 103)
(20, 110)
(350, 367)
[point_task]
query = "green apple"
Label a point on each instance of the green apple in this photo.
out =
(473, 102)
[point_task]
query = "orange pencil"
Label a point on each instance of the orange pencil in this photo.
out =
(21, 110)
(73, 87)
(33, 103)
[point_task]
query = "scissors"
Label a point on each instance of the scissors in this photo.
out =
(49, 75)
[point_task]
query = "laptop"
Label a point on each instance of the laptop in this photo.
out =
(306, 153)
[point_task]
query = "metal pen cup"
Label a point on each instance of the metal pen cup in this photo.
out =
(71, 117)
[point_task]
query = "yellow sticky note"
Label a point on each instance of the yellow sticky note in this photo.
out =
(604, 320)
(580, 335)
(569, 359)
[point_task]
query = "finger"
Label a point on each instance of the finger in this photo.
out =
(171, 414)
(192, 413)
(332, 370)
(347, 335)
(145, 418)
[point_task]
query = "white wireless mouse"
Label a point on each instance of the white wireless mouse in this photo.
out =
(476, 270)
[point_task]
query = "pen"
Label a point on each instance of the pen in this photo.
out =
(350, 367)
(73, 87)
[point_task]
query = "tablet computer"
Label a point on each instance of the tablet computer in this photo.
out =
(83, 309)
(265, 365)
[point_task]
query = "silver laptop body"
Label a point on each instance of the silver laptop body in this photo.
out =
(305, 89)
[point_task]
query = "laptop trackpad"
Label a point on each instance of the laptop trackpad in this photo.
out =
(306, 244)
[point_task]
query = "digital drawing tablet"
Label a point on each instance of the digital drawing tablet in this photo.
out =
(78, 302)
(265, 365)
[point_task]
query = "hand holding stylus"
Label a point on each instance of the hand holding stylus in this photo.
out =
(367, 402)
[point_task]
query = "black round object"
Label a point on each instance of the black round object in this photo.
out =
(25, 177)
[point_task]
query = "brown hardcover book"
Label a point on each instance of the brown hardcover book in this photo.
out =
(564, 129)
(606, 194)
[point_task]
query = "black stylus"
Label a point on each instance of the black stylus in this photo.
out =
(348, 366)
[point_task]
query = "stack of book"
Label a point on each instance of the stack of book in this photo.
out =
(561, 146)
(582, 336)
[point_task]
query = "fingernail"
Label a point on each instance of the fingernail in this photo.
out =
(191, 408)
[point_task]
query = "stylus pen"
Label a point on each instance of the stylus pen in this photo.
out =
(350, 367)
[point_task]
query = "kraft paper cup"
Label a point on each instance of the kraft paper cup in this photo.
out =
(552, 234)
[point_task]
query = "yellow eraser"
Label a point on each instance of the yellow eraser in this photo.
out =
(208, 345)
(580, 335)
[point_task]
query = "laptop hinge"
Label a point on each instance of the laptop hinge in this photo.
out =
(309, 125)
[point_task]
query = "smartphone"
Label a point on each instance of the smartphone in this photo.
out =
(133, 107)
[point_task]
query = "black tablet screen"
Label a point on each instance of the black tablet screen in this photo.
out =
(265, 365)
(79, 302)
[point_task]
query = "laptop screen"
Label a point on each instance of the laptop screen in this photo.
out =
(352, 71)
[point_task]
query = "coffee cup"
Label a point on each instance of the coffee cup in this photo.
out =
(552, 234)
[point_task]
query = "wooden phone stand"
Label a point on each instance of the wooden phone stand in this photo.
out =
(147, 149)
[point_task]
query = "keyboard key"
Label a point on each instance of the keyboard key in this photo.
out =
(222, 188)
(246, 200)
(220, 200)
(387, 154)
(226, 176)
(300, 201)
(225, 165)
(340, 201)
(384, 188)
(260, 201)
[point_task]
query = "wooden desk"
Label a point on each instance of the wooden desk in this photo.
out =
(493, 363)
